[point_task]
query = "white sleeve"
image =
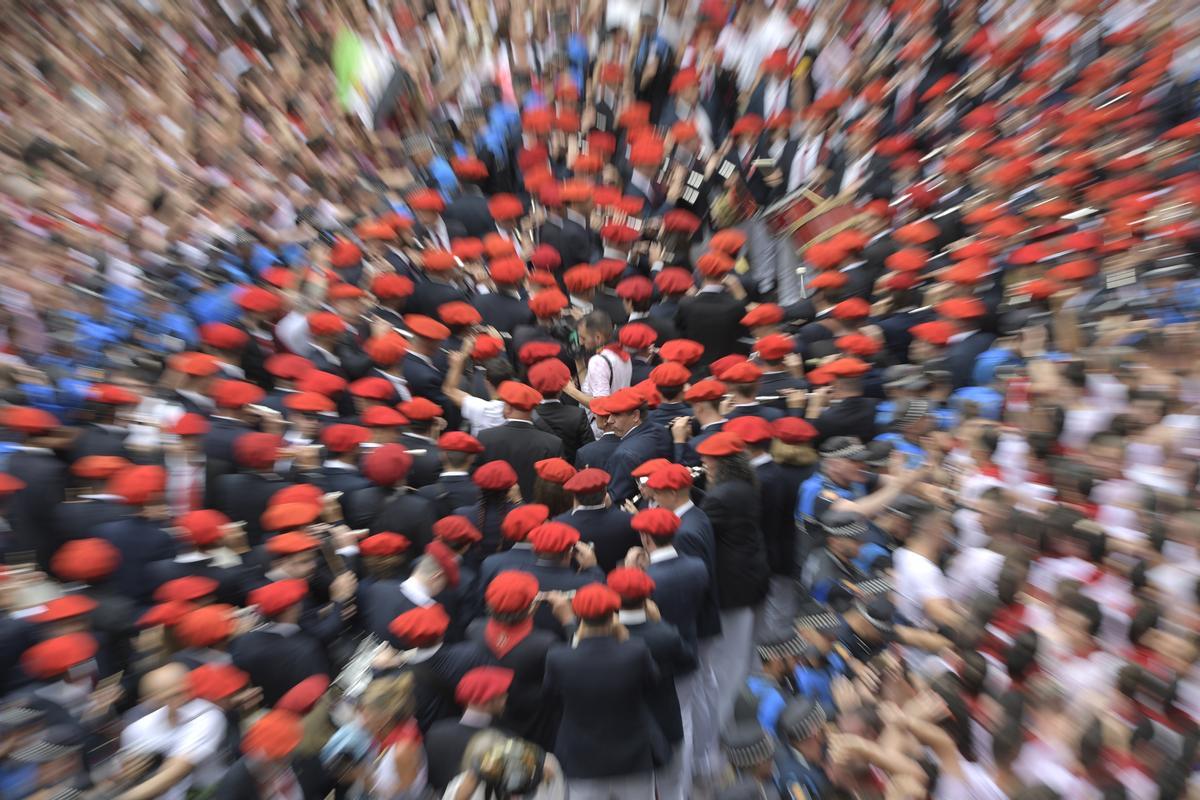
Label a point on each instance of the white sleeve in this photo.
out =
(473, 409)
(598, 381)
(200, 738)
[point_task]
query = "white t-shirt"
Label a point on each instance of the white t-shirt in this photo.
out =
(196, 739)
(917, 580)
(482, 414)
(975, 784)
(974, 570)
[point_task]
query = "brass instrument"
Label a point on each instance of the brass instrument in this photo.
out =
(733, 207)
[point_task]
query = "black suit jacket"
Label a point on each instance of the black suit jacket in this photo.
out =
(31, 511)
(450, 492)
(75, 519)
(521, 445)
(612, 305)
(608, 727)
(519, 557)
(426, 467)
(399, 511)
(852, 416)
(445, 744)
(714, 320)
(238, 783)
(568, 422)
(695, 538)
(607, 529)
(276, 662)
(598, 452)
(425, 380)
(231, 581)
(641, 444)
(99, 440)
(778, 517)
(429, 294)
(555, 578)
(503, 311)
(962, 355)
(742, 571)
(437, 677)
(470, 209)
(674, 658)
(528, 712)
(218, 443)
(576, 244)
(141, 543)
(681, 592)
(243, 496)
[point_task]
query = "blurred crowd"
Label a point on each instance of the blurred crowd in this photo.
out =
(625, 399)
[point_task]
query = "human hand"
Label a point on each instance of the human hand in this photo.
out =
(343, 587)
(585, 555)
(681, 429)
(637, 558)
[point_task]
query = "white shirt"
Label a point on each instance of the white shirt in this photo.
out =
(482, 414)
(196, 739)
(774, 97)
(606, 373)
(918, 580)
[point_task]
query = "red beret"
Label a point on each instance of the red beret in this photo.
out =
(308, 402)
(706, 390)
(511, 592)
(587, 481)
(637, 336)
(384, 544)
(27, 420)
(391, 286)
(674, 280)
(636, 289)
(420, 409)
(537, 120)
(496, 246)
(507, 271)
(68, 606)
(595, 602)
(421, 627)
(548, 303)
(324, 383)
(672, 478)
(857, 344)
(634, 115)
(109, 395)
(387, 465)
(778, 61)
(743, 372)
(648, 468)
(750, 429)
(684, 79)
(469, 169)
(483, 685)
(851, 309)
(168, 613)
(205, 626)
(793, 430)
(257, 450)
(277, 596)
(220, 336)
(289, 516)
(720, 445)
(57, 656)
(682, 351)
(518, 395)
(582, 278)
(486, 347)
(554, 470)
(298, 493)
(344, 253)
(961, 308)
(495, 476)
(235, 394)
(775, 347)
(549, 376)
(426, 327)
(289, 543)
(749, 125)
(679, 220)
(258, 300)
(545, 257)
(98, 467)
(625, 400)
(456, 530)
(438, 260)
(825, 255)
(914, 233)
(646, 151)
(197, 365)
(85, 560)
(344, 291)
(215, 682)
(190, 424)
(274, 736)
(544, 280)
(632, 584)
(522, 519)
(910, 259)
(505, 207)
(1078, 270)
(935, 332)
(10, 484)
(670, 373)
(136, 486)
(533, 352)
(847, 367)
(587, 163)
(426, 200)
(373, 387)
(458, 314)
(659, 523)
(343, 438)
(553, 537)
(301, 698)
(459, 442)
(729, 241)
(323, 323)
(724, 363)
(203, 526)
(763, 314)
(714, 264)
(287, 366)
(188, 589)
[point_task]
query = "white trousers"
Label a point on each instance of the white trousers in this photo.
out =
(619, 787)
(732, 658)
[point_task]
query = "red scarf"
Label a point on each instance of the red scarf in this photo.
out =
(501, 638)
(618, 350)
(404, 732)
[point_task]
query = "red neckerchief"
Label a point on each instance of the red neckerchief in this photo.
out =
(618, 350)
(404, 732)
(991, 471)
(501, 638)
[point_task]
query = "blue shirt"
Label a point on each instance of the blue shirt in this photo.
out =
(815, 682)
(770, 700)
(914, 453)
(811, 490)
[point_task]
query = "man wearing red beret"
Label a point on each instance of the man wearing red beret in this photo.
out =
(518, 441)
(600, 523)
(454, 487)
(281, 653)
(483, 695)
(244, 495)
(641, 440)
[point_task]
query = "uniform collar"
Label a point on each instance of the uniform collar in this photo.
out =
(415, 591)
(632, 616)
(664, 554)
(683, 509)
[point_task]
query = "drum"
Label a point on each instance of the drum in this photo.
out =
(806, 217)
(780, 216)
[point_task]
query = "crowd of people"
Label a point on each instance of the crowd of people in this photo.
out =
(611, 400)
